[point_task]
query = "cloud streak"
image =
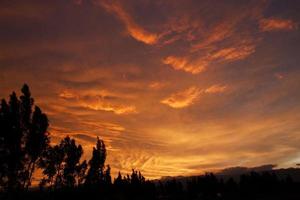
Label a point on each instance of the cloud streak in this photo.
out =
(183, 98)
(276, 24)
(98, 101)
(135, 31)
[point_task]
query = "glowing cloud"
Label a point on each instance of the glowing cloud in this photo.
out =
(117, 109)
(217, 34)
(233, 53)
(216, 89)
(183, 98)
(67, 95)
(196, 66)
(275, 24)
(136, 31)
(156, 85)
(181, 63)
(98, 101)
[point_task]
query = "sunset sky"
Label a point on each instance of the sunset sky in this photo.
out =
(173, 87)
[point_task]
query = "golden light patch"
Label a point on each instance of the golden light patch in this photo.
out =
(183, 98)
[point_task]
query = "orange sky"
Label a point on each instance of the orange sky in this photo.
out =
(173, 87)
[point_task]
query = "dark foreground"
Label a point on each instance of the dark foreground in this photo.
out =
(254, 186)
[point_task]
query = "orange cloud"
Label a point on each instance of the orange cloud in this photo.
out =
(275, 24)
(183, 98)
(233, 53)
(67, 95)
(182, 63)
(156, 85)
(136, 31)
(117, 109)
(218, 33)
(98, 100)
(196, 66)
(216, 89)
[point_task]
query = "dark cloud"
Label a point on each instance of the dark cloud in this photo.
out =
(243, 170)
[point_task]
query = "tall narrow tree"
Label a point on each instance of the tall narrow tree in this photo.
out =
(23, 138)
(95, 175)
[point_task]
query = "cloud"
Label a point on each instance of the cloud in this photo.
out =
(206, 42)
(218, 33)
(182, 63)
(157, 85)
(67, 95)
(136, 31)
(232, 53)
(276, 24)
(117, 109)
(216, 89)
(221, 55)
(98, 101)
(85, 137)
(183, 98)
(242, 170)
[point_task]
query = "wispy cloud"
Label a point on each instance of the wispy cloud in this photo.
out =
(157, 85)
(232, 53)
(220, 42)
(67, 95)
(216, 89)
(217, 34)
(136, 31)
(277, 24)
(118, 109)
(183, 98)
(99, 101)
(183, 63)
(222, 55)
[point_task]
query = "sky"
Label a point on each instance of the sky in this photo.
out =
(172, 87)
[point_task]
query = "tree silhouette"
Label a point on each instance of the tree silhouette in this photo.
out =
(37, 140)
(61, 165)
(95, 175)
(4, 143)
(72, 164)
(14, 145)
(107, 176)
(118, 182)
(23, 138)
(51, 164)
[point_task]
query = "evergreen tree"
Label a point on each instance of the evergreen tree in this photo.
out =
(73, 154)
(107, 177)
(23, 138)
(37, 140)
(95, 175)
(61, 165)
(51, 163)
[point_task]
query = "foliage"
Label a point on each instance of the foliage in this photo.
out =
(23, 139)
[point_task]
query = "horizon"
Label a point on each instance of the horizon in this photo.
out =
(173, 88)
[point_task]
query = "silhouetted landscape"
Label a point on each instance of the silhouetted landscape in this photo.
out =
(25, 146)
